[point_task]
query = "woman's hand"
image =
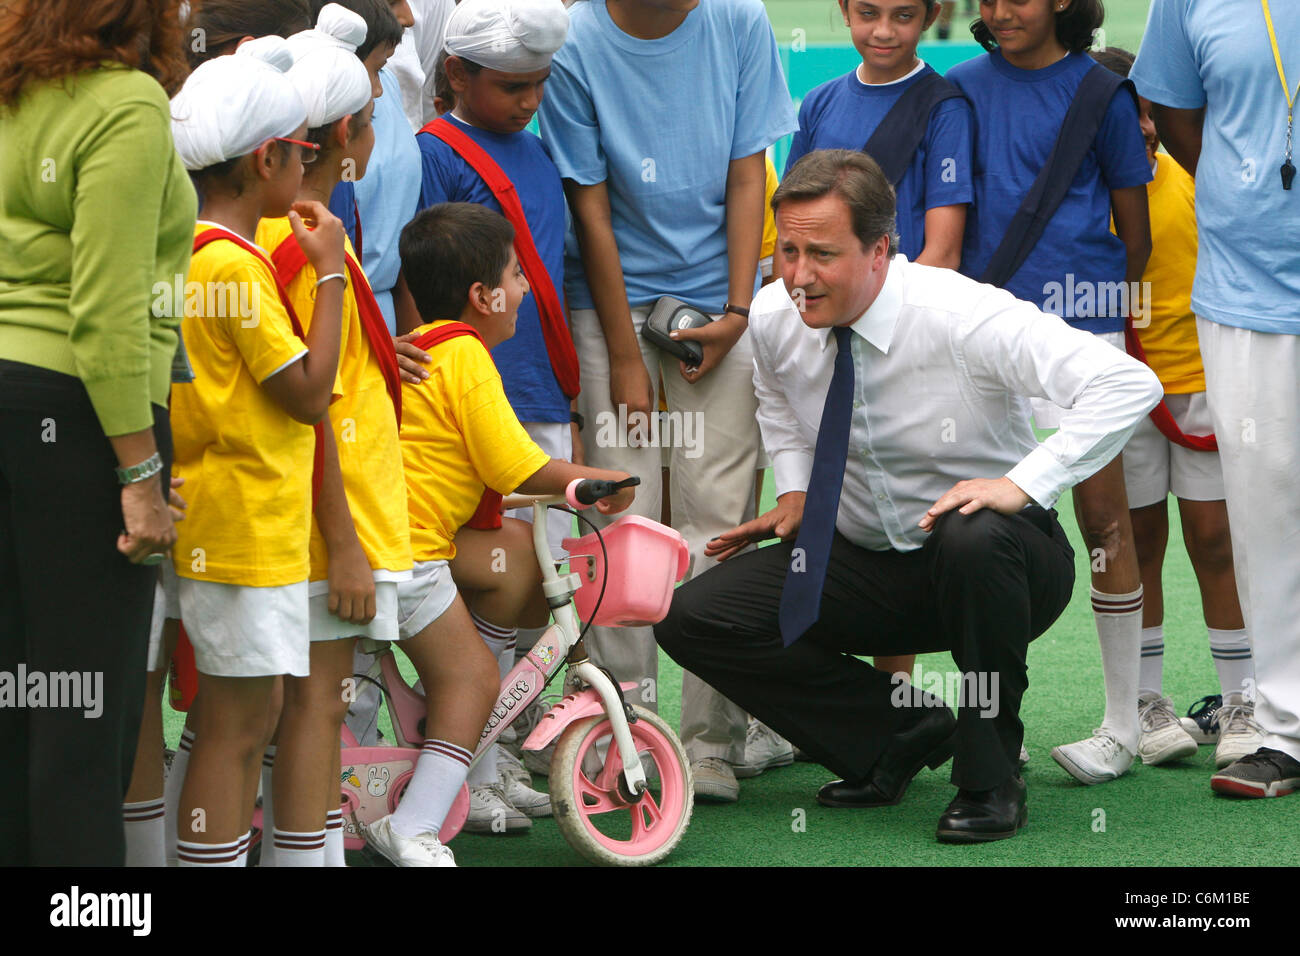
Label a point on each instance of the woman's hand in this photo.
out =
(149, 526)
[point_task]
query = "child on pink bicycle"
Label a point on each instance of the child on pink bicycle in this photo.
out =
(473, 584)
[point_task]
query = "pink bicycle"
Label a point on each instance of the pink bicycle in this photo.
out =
(620, 783)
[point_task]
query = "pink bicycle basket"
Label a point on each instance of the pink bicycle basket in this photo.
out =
(648, 557)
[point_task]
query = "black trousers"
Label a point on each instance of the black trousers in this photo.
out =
(983, 586)
(69, 603)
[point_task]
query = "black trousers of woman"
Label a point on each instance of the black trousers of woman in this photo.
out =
(70, 604)
(983, 586)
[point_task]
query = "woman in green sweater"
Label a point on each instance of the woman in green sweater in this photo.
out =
(96, 218)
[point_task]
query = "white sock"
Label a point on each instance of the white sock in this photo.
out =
(299, 849)
(268, 808)
(1233, 661)
(172, 787)
(1119, 629)
(334, 838)
(145, 833)
(210, 854)
(1152, 671)
(245, 844)
(439, 775)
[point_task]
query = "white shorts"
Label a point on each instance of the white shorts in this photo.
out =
(556, 439)
(166, 606)
(1154, 466)
(240, 631)
(1047, 414)
(424, 598)
(324, 626)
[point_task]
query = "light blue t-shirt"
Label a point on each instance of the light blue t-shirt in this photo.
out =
(388, 194)
(1218, 55)
(658, 121)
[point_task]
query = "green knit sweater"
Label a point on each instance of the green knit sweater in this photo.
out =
(96, 215)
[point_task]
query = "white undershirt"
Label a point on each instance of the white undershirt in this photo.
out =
(920, 65)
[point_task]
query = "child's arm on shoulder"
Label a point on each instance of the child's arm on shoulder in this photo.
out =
(304, 388)
(352, 583)
(1133, 226)
(554, 476)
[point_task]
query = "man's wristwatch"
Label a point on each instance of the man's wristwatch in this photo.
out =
(577, 419)
(739, 310)
(141, 472)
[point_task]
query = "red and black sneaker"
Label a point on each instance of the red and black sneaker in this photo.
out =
(1265, 773)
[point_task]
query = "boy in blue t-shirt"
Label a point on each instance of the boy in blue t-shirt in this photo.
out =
(843, 114)
(497, 67)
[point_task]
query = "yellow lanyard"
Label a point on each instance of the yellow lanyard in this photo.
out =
(1288, 170)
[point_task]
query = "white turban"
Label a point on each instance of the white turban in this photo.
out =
(513, 36)
(331, 80)
(232, 104)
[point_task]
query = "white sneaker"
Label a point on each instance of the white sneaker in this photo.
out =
(1239, 735)
(1023, 760)
(1099, 758)
(491, 812)
(510, 766)
(715, 781)
(520, 795)
(764, 750)
(1162, 735)
(422, 850)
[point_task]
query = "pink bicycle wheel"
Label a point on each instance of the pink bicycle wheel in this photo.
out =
(596, 817)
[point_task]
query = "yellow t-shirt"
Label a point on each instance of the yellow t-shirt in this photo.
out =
(459, 435)
(246, 463)
(769, 217)
(365, 429)
(1170, 342)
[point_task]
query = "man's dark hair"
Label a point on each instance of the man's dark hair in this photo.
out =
(449, 247)
(1075, 26)
(857, 179)
(1116, 59)
(381, 22)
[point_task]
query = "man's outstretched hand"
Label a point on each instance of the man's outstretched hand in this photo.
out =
(781, 522)
(997, 494)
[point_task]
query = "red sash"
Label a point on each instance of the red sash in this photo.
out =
(488, 515)
(559, 342)
(211, 235)
(289, 260)
(1160, 414)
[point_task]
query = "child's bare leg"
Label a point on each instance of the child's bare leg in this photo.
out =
(147, 775)
(499, 571)
(1209, 545)
(1101, 508)
(1151, 538)
(459, 675)
(221, 781)
(308, 739)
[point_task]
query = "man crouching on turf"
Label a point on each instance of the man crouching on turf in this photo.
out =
(459, 439)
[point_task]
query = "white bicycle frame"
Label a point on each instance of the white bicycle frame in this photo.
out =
(526, 681)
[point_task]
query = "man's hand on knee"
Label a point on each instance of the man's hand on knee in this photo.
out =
(781, 522)
(997, 494)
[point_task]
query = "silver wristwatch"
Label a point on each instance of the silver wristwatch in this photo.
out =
(141, 472)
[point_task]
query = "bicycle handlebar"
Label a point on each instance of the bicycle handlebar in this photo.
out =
(584, 492)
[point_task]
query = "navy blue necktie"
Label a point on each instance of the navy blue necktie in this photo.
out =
(801, 597)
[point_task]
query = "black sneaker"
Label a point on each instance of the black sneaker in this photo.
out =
(1265, 773)
(1202, 720)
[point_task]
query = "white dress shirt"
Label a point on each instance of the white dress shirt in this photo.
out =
(943, 367)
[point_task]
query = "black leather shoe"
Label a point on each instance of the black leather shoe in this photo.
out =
(927, 742)
(978, 816)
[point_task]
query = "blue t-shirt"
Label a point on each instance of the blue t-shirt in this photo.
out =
(1074, 268)
(844, 113)
(658, 121)
(388, 194)
(1218, 55)
(343, 203)
(523, 361)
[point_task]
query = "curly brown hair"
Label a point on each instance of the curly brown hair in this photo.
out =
(51, 39)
